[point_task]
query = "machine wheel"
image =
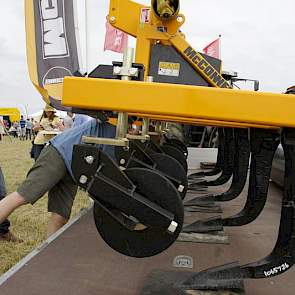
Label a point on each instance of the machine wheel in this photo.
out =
(138, 240)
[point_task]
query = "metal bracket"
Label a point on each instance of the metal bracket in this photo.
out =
(124, 142)
(101, 177)
(125, 71)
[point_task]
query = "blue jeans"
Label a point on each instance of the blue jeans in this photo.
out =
(4, 226)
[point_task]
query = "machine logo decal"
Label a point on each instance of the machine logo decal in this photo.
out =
(54, 37)
(55, 43)
(55, 75)
(204, 67)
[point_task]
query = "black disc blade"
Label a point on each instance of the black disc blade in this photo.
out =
(143, 241)
(176, 154)
(172, 168)
(178, 144)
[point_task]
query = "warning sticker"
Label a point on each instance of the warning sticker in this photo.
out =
(169, 69)
(145, 15)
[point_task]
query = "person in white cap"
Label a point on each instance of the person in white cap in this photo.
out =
(48, 126)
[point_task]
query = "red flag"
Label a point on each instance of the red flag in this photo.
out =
(115, 40)
(213, 49)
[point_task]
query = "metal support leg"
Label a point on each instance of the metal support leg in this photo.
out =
(282, 257)
(263, 146)
(220, 159)
(264, 143)
(228, 168)
(242, 155)
(241, 160)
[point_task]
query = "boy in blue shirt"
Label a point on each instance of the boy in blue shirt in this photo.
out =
(22, 125)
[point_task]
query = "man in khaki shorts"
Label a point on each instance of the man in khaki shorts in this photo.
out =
(52, 173)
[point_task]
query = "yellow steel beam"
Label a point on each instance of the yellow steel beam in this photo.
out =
(183, 101)
(190, 121)
(125, 15)
(202, 122)
(143, 51)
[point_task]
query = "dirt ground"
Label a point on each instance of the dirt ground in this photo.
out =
(29, 222)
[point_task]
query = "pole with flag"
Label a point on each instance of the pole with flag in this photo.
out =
(219, 46)
(214, 48)
(115, 40)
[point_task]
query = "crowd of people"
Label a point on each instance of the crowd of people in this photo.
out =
(53, 143)
(27, 129)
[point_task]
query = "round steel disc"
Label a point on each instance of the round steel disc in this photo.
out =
(172, 168)
(178, 144)
(175, 153)
(142, 241)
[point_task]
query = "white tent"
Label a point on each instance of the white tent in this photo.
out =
(37, 115)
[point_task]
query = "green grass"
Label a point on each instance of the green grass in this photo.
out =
(28, 222)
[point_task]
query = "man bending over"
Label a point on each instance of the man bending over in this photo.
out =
(52, 173)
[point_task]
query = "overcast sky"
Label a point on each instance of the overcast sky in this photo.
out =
(257, 41)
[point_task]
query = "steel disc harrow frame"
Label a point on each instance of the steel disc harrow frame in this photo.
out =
(138, 198)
